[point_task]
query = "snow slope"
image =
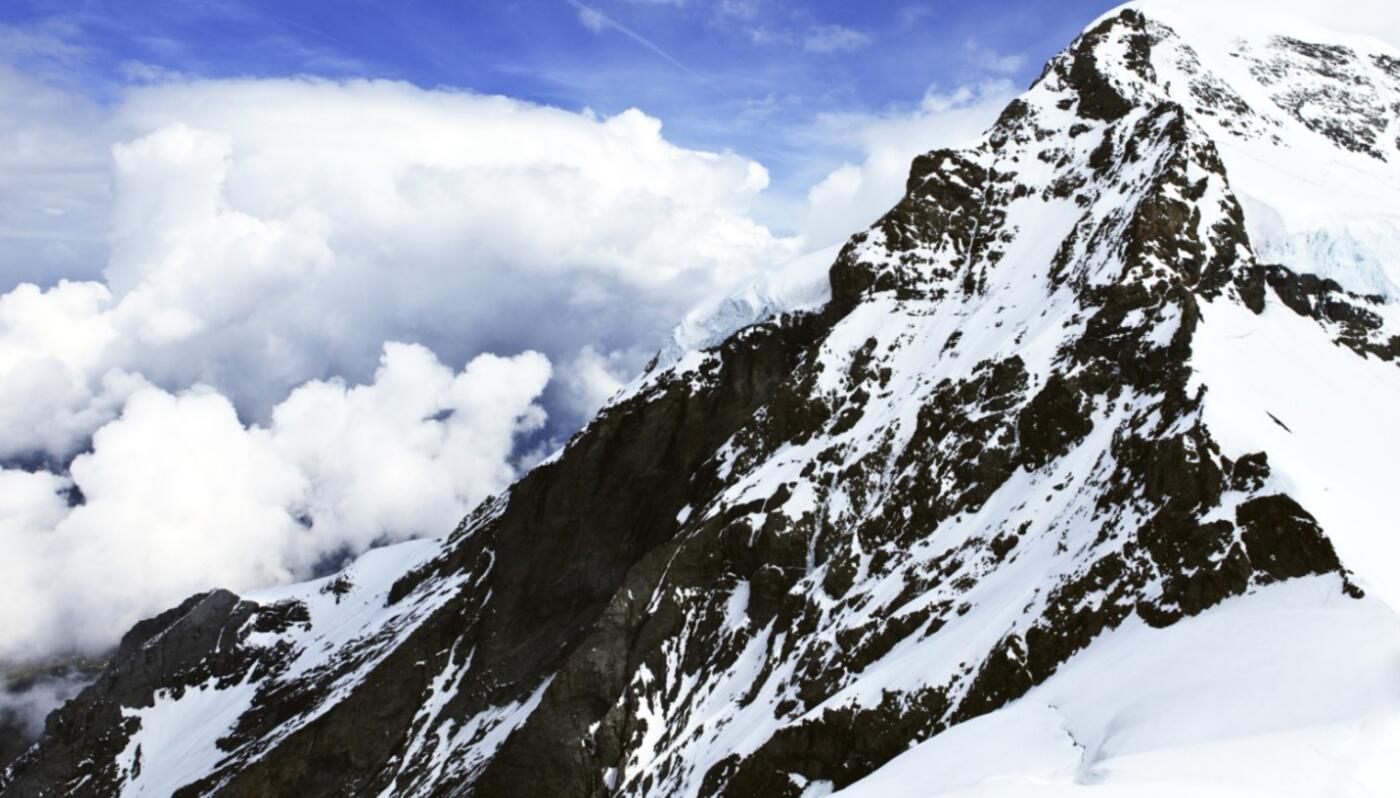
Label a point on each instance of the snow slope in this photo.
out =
(1318, 207)
(1291, 691)
(177, 740)
(1051, 481)
(1334, 443)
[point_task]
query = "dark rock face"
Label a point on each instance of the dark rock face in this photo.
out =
(173, 651)
(704, 593)
(1349, 317)
(13, 736)
(1098, 98)
(1356, 114)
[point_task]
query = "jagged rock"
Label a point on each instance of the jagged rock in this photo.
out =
(995, 432)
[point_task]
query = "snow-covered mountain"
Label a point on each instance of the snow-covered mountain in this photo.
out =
(1078, 470)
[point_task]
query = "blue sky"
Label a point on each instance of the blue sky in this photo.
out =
(745, 75)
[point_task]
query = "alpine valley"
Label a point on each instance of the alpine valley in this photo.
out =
(1076, 471)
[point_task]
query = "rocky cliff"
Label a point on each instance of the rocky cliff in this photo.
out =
(1022, 425)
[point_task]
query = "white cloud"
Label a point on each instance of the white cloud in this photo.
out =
(264, 240)
(53, 393)
(268, 232)
(593, 378)
(179, 496)
(834, 39)
(409, 454)
(25, 705)
(31, 504)
(853, 195)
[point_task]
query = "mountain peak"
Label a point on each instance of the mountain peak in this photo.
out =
(1054, 415)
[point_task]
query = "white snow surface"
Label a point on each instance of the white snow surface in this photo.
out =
(1335, 442)
(1308, 203)
(1289, 691)
(177, 738)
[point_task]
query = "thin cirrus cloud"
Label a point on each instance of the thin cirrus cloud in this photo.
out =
(598, 22)
(821, 40)
(829, 39)
(54, 163)
(993, 62)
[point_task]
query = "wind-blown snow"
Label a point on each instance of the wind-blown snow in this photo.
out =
(799, 284)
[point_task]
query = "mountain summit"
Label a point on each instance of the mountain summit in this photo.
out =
(1081, 472)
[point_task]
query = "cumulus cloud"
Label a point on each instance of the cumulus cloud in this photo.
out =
(409, 454)
(853, 195)
(178, 495)
(268, 232)
(51, 396)
(216, 403)
(594, 378)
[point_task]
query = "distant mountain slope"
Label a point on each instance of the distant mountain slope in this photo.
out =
(1066, 480)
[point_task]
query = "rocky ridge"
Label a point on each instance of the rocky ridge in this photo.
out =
(771, 566)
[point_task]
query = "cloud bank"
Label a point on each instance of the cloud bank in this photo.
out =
(178, 494)
(268, 232)
(327, 317)
(331, 314)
